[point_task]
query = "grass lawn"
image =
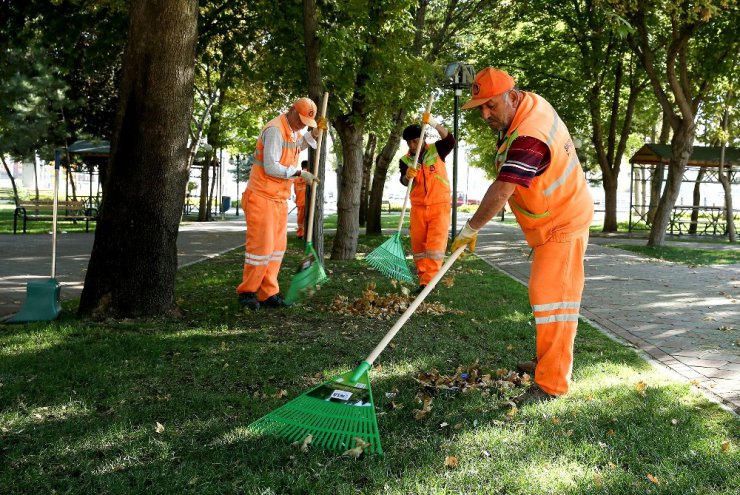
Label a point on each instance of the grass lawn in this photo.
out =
(162, 406)
(685, 255)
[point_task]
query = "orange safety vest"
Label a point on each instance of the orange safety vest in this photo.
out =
(558, 202)
(266, 185)
(431, 185)
(299, 186)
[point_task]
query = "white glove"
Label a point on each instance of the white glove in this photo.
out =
(309, 177)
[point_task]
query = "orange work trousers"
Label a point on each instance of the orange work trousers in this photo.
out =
(429, 231)
(301, 219)
(267, 221)
(555, 289)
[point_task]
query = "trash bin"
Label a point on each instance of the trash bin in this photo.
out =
(225, 203)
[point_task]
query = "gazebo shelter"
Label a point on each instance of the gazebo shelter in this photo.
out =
(94, 155)
(709, 219)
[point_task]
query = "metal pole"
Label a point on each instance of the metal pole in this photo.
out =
(236, 206)
(458, 93)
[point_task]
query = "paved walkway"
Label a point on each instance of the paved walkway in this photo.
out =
(671, 312)
(687, 319)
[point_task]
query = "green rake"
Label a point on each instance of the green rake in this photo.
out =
(341, 409)
(389, 258)
(310, 272)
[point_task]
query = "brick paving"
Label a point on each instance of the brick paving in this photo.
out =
(685, 318)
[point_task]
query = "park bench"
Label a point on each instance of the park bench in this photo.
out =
(44, 210)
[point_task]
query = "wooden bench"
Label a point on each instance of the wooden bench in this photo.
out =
(44, 210)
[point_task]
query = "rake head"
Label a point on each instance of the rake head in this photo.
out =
(310, 274)
(390, 259)
(333, 414)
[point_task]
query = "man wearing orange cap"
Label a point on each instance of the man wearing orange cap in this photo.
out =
(540, 176)
(430, 198)
(264, 201)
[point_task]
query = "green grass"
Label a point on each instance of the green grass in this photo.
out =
(387, 221)
(37, 226)
(684, 255)
(80, 400)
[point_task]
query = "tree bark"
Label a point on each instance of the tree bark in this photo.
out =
(382, 163)
(367, 167)
(656, 181)
(134, 257)
(12, 180)
(348, 205)
(725, 179)
(696, 203)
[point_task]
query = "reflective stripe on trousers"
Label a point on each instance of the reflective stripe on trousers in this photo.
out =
(429, 230)
(555, 289)
(266, 242)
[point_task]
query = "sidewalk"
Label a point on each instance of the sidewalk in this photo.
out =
(671, 312)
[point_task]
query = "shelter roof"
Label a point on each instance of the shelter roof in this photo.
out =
(702, 156)
(91, 148)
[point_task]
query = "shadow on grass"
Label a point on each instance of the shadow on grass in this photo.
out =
(80, 401)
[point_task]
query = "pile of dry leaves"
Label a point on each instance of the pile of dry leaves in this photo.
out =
(384, 307)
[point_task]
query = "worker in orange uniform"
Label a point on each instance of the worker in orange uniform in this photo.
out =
(299, 187)
(430, 198)
(539, 174)
(264, 201)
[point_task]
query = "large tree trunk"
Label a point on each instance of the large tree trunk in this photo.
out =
(381, 171)
(725, 179)
(367, 167)
(348, 206)
(682, 145)
(134, 257)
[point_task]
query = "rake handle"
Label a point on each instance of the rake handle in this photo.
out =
(416, 159)
(365, 365)
(315, 171)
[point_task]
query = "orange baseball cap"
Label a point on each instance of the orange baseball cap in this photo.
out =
(306, 111)
(488, 83)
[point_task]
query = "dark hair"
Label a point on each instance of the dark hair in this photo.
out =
(304, 164)
(412, 132)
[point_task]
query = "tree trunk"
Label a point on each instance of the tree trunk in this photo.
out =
(656, 181)
(134, 257)
(610, 203)
(348, 205)
(36, 174)
(381, 171)
(367, 166)
(696, 203)
(725, 179)
(204, 180)
(12, 180)
(682, 145)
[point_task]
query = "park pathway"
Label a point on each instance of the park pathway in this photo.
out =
(685, 318)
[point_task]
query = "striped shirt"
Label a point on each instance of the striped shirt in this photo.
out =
(527, 158)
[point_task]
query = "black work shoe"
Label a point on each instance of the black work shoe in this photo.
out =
(533, 395)
(527, 366)
(419, 289)
(275, 301)
(249, 300)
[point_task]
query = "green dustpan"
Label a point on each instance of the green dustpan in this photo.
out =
(338, 410)
(333, 414)
(390, 259)
(42, 297)
(310, 274)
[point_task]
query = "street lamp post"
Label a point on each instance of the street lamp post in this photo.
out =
(236, 163)
(458, 76)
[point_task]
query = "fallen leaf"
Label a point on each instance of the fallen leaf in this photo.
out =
(640, 387)
(444, 424)
(610, 432)
(359, 442)
(598, 480)
(653, 479)
(555, 420)
(355, 452)
(451, 462)
(726, 328)
(485, 454)
(304, 445)
(726, 446)
(674, 421)
(159, 428)
(425, 409)
(449, 281)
